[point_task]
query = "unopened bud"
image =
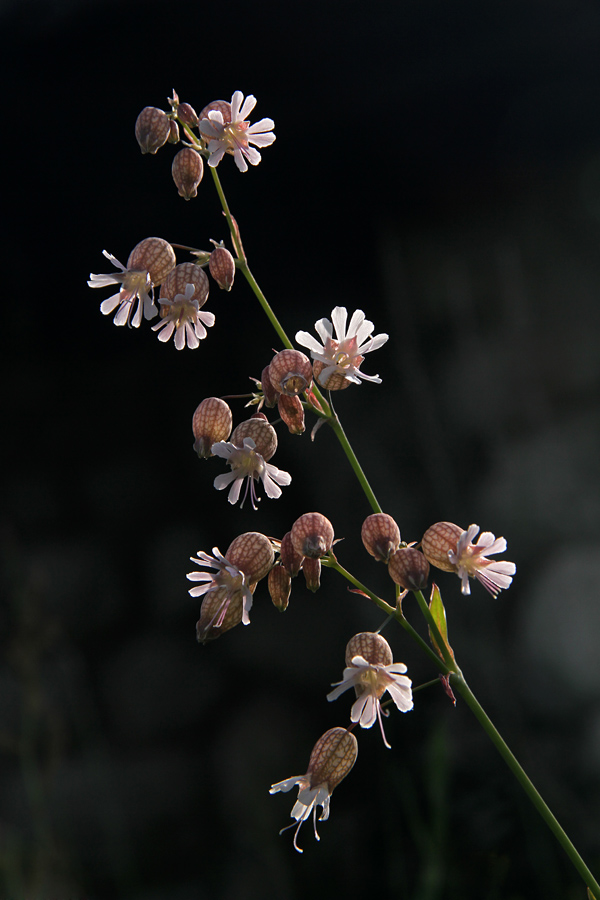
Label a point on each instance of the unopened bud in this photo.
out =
(409, 568)
(187, 115)
(222, 267)
(311, 569)
(178, 280)
(290, 372)
(173, 132)
(187, 171)
(312, 535)
(155, 256)
(253, 554)
(152, 129)
(280, 587)
(263, 435)
(381, 536)
(270, 394)
(291, 412)
(290, 560)
(211, 423)
(438, 541)
(372, 647)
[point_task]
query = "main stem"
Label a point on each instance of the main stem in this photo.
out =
(518, 771)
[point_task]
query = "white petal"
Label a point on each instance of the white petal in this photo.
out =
(260, 126)
(324, 329)
(359, 325)
(234, 493)
(307, 340)
(247, 107)
(222, 481)
(239, 160)
(107, 306)
(339, 317)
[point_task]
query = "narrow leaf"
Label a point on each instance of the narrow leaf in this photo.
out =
(436, 608)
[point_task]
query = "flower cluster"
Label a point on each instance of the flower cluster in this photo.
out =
(291, 382)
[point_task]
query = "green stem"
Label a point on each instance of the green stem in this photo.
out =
(458, 681)
(347, 448)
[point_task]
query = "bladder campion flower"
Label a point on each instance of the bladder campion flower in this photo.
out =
(332, 757)
(372, 672)
(148, 265)
(337, 360)
(228, 593)
(246, 462)
(236, 135)
(451, 548)
(183, 316)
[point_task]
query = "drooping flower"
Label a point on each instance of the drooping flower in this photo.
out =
(332, 757)
(471, 560)
(183, 316)
(450, 548)
(337, 360)
(148, 265)
(372, 672)
(228, 593)
(228, 582)
(246, 462)
(236, 135)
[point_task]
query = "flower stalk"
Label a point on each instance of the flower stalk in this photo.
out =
(458, 681)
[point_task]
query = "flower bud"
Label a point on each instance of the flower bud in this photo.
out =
(311, 569)
(263, 435)
(152, 129)
(187, 114)
(437, 541)
(187, 171)
(222, 106)
(292, 413)
(381, 536)
(290, 560)
(312, 535)
(290, 372)
(280, 587)
(372, 647)
(335, 382)
(222, 267)
(270, 394)
(409, 568)
(253, 554)
(182, 275)
(173, 132)
(211, 423)
(155, 256)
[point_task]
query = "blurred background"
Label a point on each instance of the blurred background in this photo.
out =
(437, 165)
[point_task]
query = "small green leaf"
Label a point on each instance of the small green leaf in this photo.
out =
(436, 608)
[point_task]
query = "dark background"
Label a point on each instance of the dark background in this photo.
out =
(438, 165)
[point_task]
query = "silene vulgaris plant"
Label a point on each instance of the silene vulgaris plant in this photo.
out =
(293, 384)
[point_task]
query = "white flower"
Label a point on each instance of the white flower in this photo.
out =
(229, 580)
(236, 136)
(136, 285)
(332, 757)
(371, 681)
(470, 560)
(245, 462)
(344, 353)
(182, 316)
